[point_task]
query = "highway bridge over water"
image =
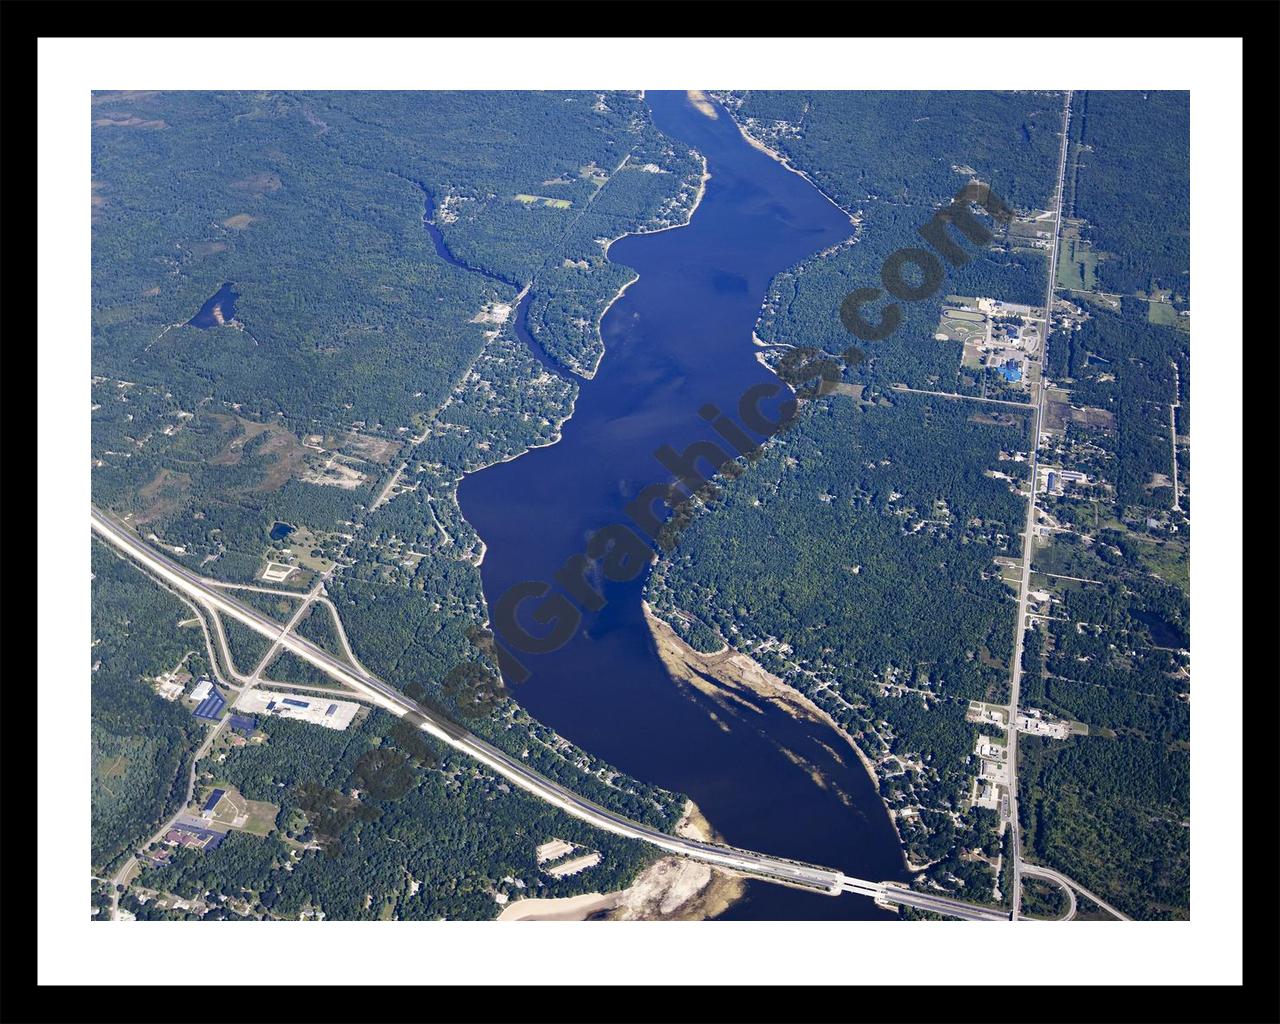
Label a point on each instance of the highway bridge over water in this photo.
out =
(779, 870)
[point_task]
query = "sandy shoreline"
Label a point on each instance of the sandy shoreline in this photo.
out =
(737, 671)
(701, 104)
(567, 908)
(769, 151)
(670, 889)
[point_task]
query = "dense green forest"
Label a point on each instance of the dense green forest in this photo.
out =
(313, 208)
(1123, 364)
(1112, 809)
(890, 159)
(1130, 181)
(911, 148)
(361, 342)
(1112, 812)
(378, 822)
(317, 626)
(247, 647)
(287, 667)
(856, 560)
(142, 745)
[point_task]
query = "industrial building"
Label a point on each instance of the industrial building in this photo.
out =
(201, 690)
(243, 723)
(212, 802)
(210, 709)
(185, 834)
(320, 710)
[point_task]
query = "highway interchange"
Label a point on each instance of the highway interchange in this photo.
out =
(746, 862)
(214, 598)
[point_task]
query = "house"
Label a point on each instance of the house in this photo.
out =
(194, 837)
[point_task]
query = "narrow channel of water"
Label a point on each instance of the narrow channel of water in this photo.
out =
(679, 338)
(521, 312)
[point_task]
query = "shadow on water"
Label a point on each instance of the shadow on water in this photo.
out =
(219, 310)
(681, 337)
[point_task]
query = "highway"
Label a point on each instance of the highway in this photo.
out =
(1028, 535)
(756, 865)
(1072, 888)
(938, 904)
(746, 862)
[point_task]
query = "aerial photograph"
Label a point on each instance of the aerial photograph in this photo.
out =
(676, 505)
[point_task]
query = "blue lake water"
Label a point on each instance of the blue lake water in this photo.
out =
(279, 531)
(223, 301)
(679, 338)
(1163, 633)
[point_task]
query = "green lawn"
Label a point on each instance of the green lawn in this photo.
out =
(1077, 265)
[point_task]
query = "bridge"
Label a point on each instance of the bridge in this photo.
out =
(778, 870)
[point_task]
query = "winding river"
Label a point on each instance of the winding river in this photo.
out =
(681, 337)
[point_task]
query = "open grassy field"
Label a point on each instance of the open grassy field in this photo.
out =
(962, 325)
(558, 204)
(1077, 265)
(302, 542)
(1168, 559)
(257, 817)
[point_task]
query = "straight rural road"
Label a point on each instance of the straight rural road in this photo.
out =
(1028, 535)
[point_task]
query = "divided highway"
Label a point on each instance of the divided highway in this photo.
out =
(756, 865)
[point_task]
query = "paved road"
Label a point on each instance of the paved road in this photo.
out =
(123, 873)
(938, 904)
(1173, 433)
(1072, 888)
(756, 865)
(1015, 679)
